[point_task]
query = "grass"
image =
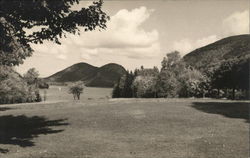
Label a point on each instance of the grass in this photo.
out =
(126, 128)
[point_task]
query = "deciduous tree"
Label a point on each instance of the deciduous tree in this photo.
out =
(45, 20)
(76, 89)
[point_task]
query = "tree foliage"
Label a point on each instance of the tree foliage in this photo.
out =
(76, 89)
(168, 79)
(31, 76)
(144, 84)
(14, 89)
(233, 75)
(123, 87)
(193, 83)
(229, 78)
(46, 20)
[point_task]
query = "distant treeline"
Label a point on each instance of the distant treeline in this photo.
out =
(227, 79)
(15, 88)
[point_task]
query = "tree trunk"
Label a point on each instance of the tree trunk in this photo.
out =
(233, 97)
(247, 94)
(218, 93)
(226, 93)
(203, 94)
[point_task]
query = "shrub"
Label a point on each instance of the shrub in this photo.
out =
(14, 89)
(76, 89)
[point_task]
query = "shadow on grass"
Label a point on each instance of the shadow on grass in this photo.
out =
(20, 130)
(232, 110)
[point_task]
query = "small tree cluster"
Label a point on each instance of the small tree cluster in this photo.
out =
(76, 89)
(173, 80)
(231, 78)
(15, 89)
(123, 89)
(144, 84)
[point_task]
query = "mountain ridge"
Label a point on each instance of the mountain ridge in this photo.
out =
(104, 76)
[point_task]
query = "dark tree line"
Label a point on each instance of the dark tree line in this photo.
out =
(232, 77)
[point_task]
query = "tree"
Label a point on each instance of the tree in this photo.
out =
(144, 87)
(243, 73)
(172, 61)
(144, 83)
(46, 20)
(233, 75)
(31, 76)
(76, 89)
(13, 88)
(192, 83)
(116, 93)
(123, 88)
(126, 89)
(168, 84)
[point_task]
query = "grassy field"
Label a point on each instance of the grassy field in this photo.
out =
(98, 127)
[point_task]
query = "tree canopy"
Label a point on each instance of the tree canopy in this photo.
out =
(31, 76)
(76, 89)
(45, 20)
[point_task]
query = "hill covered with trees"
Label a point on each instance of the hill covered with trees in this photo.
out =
(218, 70)
(92, 76)
(212, 55)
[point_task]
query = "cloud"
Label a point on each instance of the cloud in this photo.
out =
(185, 46)
(62, 56)
(51, 49)
(124, 36)
(237, 23)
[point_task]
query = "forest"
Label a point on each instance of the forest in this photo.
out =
(227, 79)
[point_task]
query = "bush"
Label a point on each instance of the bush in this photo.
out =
(42, 84)
(14, 89)
(144, 86)
(76, 89)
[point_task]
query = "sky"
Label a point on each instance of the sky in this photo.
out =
(142, 32)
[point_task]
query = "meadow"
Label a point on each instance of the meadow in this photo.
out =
(99, 127)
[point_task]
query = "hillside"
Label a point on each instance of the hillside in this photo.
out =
(104, 76)
(76, 72)
(224, 49)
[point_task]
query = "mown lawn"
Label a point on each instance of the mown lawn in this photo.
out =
(125, 128)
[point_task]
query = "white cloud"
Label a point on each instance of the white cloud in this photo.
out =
(123, 36)
(62, 56)
(236, 23)
(205, 41)
(51, 49)
(185, 46)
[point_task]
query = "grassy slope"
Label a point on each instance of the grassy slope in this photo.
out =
(144, 128)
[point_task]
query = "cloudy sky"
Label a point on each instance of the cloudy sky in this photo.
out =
(143, 32)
